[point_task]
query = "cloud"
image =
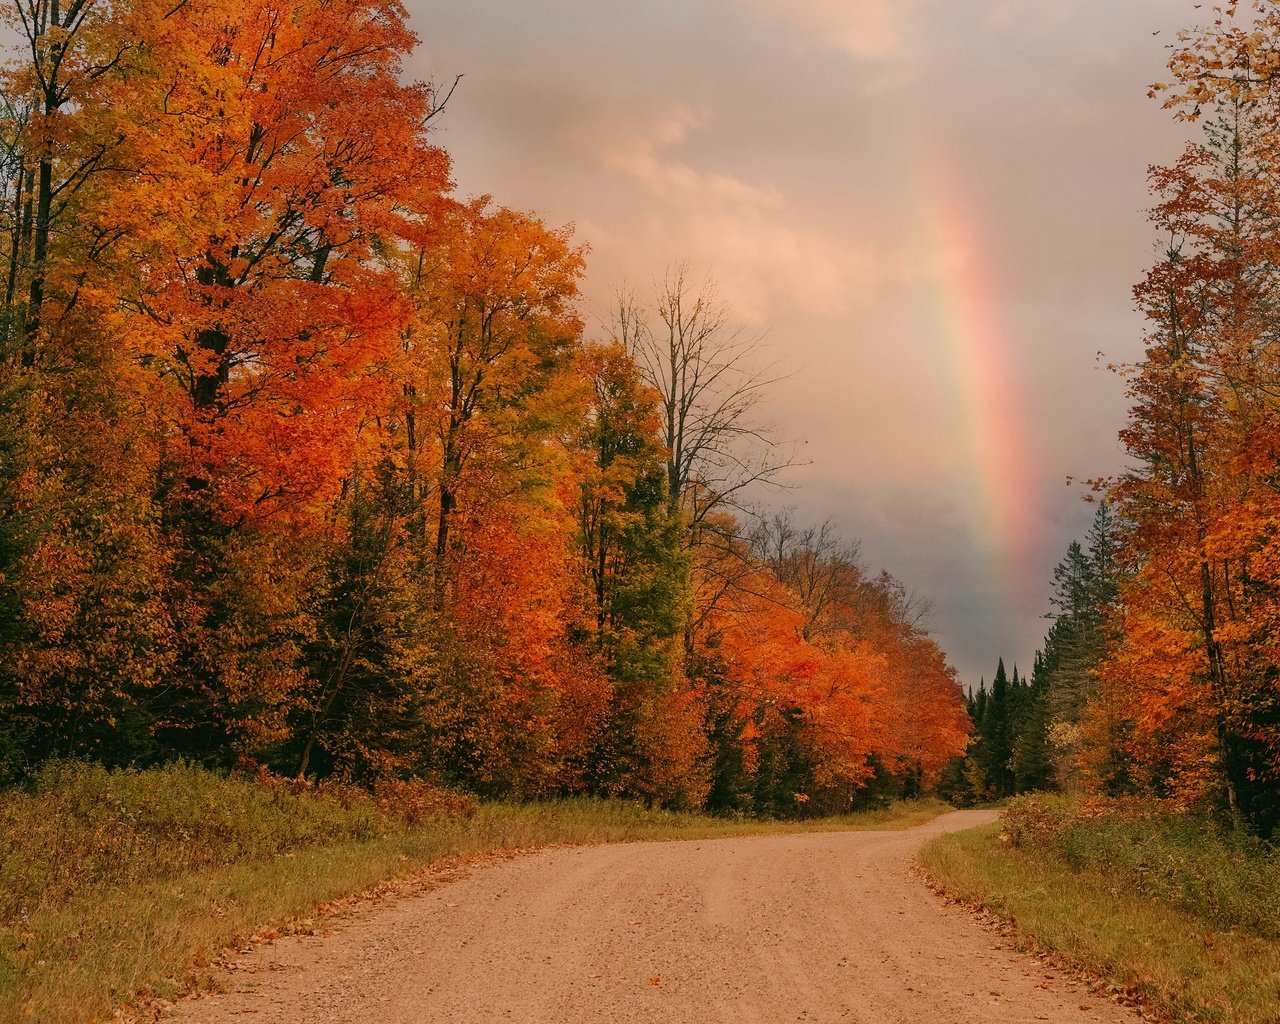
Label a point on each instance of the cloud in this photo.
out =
(645, 158)
(769, 262)
(668, 183)
(875, 30)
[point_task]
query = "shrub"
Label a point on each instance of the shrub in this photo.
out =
(1195, 863)
(80, 826)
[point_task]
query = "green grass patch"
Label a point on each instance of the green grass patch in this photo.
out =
(1179, 910)
(117, 887)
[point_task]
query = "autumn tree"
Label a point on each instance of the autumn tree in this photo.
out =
(300, 153)
(821, 687)
(63, 133)
(496, 319)
(819, 568)
(481, 428)
(1197, 513)
(197, 194)
(89, 631)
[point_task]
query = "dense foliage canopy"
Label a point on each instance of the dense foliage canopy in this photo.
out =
(306, 462)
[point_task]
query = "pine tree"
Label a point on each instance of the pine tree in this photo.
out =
(994, 749)
(631, 543)
(1031, 767)
(1084, 588)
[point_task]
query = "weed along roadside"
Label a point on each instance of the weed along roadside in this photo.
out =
(1175, 911)
(120, 889)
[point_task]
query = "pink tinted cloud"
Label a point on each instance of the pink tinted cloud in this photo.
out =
(867, 29)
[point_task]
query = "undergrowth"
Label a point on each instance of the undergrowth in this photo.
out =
(1220, 874)
(1181, 911)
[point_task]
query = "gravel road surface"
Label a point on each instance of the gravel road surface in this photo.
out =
(820, 927)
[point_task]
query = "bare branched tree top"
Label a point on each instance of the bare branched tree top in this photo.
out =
(711, 379)
(819, 567)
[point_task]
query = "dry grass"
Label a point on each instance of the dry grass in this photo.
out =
(121, 887)
(1176, 911)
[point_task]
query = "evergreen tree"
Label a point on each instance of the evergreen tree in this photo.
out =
(979, 708)
(374, 649)
(993, 750)
(1031, 767)
(953, 785)
(1084, 587)
(631, 543)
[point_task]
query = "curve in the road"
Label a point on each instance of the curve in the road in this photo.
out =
(817, 927)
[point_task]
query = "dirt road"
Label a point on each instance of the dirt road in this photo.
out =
(819, 927)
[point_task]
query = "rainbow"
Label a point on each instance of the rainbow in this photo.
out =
(977, 367)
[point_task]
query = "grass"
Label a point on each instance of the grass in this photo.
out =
(1180, 912)
(120, 888)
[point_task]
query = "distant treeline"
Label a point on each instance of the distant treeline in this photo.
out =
(1028, 732)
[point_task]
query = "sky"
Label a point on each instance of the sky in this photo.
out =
(931, 213)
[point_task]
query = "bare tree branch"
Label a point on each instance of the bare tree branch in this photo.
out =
(706, 371)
